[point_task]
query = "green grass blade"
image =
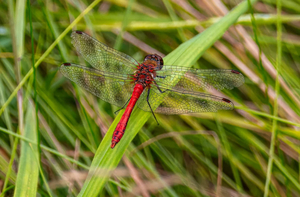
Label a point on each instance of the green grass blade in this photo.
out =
(158, 24)
(55, 32)
(106, 159)
(27, 177)
(229, 154)
(124, 25)
(20, 26)
(275, 112)
(7, 169)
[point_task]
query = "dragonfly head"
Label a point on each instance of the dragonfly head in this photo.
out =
(155, 60)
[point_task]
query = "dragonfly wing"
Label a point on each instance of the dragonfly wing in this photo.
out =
(101, 56)
(198, 79)
(110, 87)
(182, 102)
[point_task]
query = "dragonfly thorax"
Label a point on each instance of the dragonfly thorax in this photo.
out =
(144, 74)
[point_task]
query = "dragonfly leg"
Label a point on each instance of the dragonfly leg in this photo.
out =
(159, 88)
(150, 106)
(122, 106)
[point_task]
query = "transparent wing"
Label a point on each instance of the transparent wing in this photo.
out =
(198, 79)
(182, 102)
(110, 87)
(101, 56)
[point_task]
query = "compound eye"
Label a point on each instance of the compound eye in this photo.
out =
(157, 59)
(160, 62)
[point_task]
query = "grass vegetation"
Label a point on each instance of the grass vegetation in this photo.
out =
(55, 137)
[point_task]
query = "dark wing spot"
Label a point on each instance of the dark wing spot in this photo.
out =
(66, 64)
(226, 100)
(235, 72)
(78, 32)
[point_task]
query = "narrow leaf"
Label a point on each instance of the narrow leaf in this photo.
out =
(27, 177)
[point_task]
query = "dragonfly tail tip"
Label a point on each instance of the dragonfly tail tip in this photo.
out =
(113, 144)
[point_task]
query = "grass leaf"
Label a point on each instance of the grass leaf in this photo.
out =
(28, 172)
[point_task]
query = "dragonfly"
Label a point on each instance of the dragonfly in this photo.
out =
(120, 80)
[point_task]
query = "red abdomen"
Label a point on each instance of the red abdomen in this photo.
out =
(120, 129)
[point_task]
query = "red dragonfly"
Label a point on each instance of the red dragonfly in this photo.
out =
(120, 80)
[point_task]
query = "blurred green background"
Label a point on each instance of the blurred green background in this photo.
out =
(250, 151)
